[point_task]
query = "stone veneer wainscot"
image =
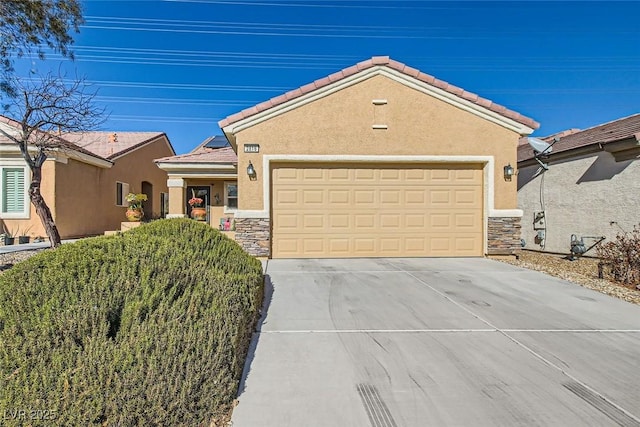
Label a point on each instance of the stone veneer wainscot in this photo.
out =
(503, 235)
(253, 234)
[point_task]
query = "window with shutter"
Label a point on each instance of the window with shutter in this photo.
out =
(13, 191)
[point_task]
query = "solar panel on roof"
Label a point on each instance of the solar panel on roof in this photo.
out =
(217, 141)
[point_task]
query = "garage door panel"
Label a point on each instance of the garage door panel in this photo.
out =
(391, 221)
(339, 175)
(313, 246)
(390, 197)
(285, 196)
(314, 222)
(339, 198)
(365, 174)
(358, 211)
(468, 198)
(415, 198)
(313, 197)
(339, 222)
(287, 221)
(364, 198)
(391, 175)
(364, 222)
(413, 175)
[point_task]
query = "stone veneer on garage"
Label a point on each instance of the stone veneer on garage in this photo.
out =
(503, 235)
(253, 234)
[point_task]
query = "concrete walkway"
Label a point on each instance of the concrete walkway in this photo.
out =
(30, 246)
(438, 342)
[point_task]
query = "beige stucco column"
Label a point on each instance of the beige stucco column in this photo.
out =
(176, 197)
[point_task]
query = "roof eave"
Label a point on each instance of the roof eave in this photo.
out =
(68, 152)
(199, 166)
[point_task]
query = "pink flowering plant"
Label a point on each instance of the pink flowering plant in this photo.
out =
(195, 202)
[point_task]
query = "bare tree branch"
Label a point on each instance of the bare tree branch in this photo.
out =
(49, 106)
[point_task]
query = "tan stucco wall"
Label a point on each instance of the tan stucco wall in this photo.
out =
(341, 123)
(79, 190)
(582, 196)
(84, 202)
(33, 226)
(136, 167)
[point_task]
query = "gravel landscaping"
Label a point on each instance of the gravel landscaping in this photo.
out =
(583, 271)
(11, 258)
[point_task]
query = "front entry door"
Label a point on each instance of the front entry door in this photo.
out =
(201, 191)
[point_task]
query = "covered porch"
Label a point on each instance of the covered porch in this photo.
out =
(203, 185)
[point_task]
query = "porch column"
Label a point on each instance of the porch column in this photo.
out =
(176, 197)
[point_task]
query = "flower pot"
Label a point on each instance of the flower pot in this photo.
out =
(134, 214)
(9, 240)
(199, 214)
(23, 239)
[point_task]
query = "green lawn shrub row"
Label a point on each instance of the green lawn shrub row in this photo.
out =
(149, 327)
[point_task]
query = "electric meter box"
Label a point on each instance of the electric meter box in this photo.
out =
(539, 222)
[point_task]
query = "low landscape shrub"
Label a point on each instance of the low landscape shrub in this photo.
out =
(622, 255)
(148, 327)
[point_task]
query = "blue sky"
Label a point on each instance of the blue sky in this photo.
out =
(180, 66)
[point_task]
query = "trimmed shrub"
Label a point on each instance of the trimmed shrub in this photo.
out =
(623, 257)
(149, 327)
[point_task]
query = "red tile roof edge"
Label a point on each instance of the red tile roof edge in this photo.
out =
(369, 63)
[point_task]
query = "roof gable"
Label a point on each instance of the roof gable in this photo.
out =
(365, 69)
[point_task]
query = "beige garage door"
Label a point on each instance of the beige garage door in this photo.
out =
(339, 210)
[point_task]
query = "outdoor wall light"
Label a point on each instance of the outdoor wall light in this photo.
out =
(508, 172)
(217, 198)
(251, 171)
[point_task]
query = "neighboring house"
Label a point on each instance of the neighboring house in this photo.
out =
(378, 159)
(591, 187)
(85, 182)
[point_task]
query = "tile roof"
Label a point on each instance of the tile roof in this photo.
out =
(111, 144)
(625, 128)
(373, 62)
(224, 155)
(61, 142)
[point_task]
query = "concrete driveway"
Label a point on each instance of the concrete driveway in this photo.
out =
(438, 342)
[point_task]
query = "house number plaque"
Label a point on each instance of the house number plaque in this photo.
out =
(251, 148)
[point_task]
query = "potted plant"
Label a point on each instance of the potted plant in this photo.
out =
(8, 236)
(198, 211)
(24, 237)
(134, 211)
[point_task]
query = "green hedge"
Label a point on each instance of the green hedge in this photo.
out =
(149, 327)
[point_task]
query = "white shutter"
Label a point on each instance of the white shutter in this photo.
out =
(13, 190)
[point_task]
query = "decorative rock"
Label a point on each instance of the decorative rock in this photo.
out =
(254, 235)
(503, 235)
